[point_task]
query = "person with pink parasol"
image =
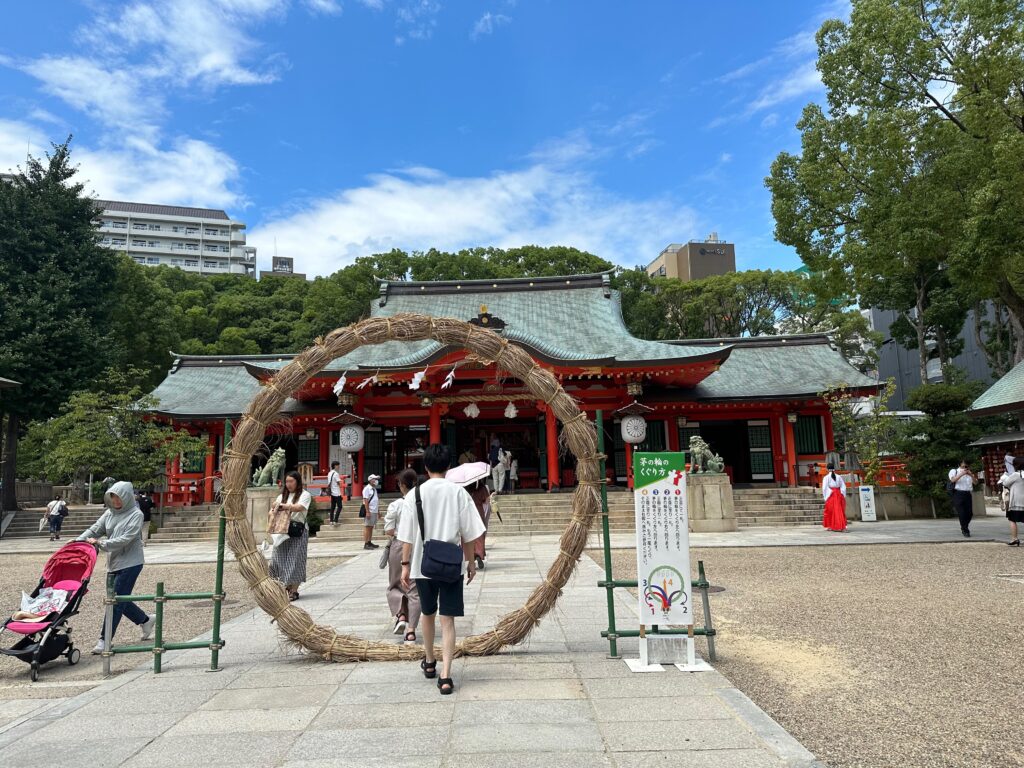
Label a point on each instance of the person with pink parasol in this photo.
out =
(473, 477)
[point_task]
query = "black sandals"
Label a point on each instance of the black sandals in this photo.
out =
(446, 685)
(429, 668)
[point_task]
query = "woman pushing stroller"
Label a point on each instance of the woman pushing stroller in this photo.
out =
(118, 532)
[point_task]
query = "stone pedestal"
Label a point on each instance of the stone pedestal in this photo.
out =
(257, 507)
(710, 502)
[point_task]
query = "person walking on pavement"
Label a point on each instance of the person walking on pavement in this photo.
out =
(288, 563)
(56, 511)
(1013, 482)
(146, 505)
(118, 532)
(371, 504)
(963, 480)
(442, 514)
(334, 491)
(403, 603)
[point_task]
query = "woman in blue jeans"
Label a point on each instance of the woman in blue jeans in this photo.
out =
(118, 532)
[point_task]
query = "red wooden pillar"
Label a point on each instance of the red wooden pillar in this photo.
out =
(791, 452)
(778, 456)
(830, 438)
(435, 423)
(325, 450)
(208, 471)
(673, 434)
(551, 427)
(629, 466)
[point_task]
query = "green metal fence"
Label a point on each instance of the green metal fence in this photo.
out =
(610, 583)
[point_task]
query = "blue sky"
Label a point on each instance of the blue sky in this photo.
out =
(337, 129)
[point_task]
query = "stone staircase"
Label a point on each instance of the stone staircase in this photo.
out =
(25, 524)
(187, 523)
(758, 507)
(548, 513)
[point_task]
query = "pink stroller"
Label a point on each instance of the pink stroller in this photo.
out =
(69, 569)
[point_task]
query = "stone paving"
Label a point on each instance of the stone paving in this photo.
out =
(558, 700)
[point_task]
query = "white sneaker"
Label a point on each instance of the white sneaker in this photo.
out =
(399, 627)
(100, 648)
(147, 628)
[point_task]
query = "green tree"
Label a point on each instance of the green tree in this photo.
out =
(864, 426)
(58, 288)
(106, 432)
(938, 442)
(940, 86)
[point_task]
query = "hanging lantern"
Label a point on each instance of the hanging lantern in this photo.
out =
(634, 429)
(351, 438)
(510, 410)
(471, 410)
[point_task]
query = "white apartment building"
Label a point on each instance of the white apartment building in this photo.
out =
(203, 240)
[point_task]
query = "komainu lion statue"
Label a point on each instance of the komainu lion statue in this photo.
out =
(270, 473)
(702, 459)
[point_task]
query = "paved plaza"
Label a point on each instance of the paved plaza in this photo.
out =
(556, 700)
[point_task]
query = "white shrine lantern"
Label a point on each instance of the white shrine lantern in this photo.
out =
(351, 438)
(634, 429)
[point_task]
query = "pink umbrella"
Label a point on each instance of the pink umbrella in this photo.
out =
(464, 474)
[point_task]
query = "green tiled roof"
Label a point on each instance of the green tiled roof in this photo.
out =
(778, 367)
(1007, 394)
(562, 320)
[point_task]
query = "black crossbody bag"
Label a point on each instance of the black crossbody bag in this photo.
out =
(441, 561)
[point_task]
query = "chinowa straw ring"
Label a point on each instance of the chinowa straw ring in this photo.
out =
(579, 434)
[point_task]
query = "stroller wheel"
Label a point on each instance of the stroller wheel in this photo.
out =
(74, 656)
(35, 672)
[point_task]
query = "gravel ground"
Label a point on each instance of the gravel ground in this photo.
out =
(183, 620)
(880, 656)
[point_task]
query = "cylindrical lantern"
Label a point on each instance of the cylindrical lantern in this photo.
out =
(634, 429)
(351, 438)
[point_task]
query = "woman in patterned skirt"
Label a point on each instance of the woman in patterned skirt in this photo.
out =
(288, 564)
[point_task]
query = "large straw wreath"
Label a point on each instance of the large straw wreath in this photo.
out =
(578, 433)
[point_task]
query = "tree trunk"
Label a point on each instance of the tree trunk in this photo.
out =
(922, 346)
(944, 361)
(8, 496)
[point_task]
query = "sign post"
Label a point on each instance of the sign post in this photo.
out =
(867, 503)
(664, 590)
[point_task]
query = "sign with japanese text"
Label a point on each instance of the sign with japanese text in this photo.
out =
(662, 539)
(867, 503)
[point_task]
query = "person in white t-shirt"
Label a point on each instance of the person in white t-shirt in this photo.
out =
(963, 480)
(334, 491)
(371, 505)
(449, 515)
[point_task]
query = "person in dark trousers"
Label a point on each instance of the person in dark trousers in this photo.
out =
(963, 480)
(334, 491)
(146, 504)
(118, 533)
(449, 515)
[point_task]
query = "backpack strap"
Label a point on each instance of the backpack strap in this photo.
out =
(419, 513)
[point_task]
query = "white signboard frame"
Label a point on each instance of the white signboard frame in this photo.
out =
(867, 503)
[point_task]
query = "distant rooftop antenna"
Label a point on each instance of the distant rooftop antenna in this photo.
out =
(713, 237)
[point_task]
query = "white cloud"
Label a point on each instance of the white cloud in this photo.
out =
(642, 148)
(540, 204)
(190, 172)
(17, 140)
(724, 158)
(742, 72)
(329, 7)
(770, 120)
(417, 19)
(798, 82)
(487, 23)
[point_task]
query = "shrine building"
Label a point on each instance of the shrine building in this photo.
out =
(756, 401)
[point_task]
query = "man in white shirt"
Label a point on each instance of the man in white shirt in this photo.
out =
(371, 504)
(334, 491)
(962, 497)
(449, 515)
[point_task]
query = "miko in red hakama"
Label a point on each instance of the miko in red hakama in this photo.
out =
(833, 490)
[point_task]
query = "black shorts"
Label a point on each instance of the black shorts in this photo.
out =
(448, 594)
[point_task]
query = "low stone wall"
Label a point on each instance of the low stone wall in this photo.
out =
(33, 493)
(710, 502)
(898, 505)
